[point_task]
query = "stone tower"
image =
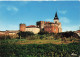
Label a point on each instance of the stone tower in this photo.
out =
(57, 23)
(56, 19)
(40, 24)
(22, 27)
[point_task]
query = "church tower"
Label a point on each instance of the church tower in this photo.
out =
(57, 23)
(56, 19)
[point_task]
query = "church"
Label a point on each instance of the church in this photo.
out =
(51, 27)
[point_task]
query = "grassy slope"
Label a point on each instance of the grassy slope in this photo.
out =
(37, 48)
(38, 41)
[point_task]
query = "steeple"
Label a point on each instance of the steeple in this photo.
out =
(56, 17)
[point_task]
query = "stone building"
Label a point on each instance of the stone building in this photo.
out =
(78, 32)
(8, 34)
(51, 27)
(22, 27)
(31, 28)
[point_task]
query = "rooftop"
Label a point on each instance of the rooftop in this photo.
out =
(30, 26)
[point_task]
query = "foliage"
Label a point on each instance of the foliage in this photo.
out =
(68, 34)
(43, 32)
(25, 34)
(43, 35)
(4, 37)
(40, 50)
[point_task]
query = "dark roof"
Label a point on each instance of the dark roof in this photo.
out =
(56, 17)
(78, 31)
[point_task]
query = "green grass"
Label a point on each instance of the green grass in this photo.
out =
(38, 48)
(37, 41)
(25, 41)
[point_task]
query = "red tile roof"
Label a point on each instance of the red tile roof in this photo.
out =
(30, 26)
(78, 31)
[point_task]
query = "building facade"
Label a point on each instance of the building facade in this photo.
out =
(51, 27)
(31, 28)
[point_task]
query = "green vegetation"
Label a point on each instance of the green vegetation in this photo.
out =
(25, 41)
(42, 35)
(40, 45)
(46, 35)
(25, 34)
(40, 50)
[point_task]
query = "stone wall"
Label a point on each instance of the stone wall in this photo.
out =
(33, 29)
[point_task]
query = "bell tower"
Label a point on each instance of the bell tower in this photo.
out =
(56, 19)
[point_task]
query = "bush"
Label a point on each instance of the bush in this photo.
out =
(68, 34)
(25, 34)
(2, 37)
(43, 32)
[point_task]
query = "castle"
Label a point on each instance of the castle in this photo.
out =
(51, 27)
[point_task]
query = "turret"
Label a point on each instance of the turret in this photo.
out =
(22, 27)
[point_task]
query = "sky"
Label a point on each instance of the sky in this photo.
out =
(12, 13)
(39, 0)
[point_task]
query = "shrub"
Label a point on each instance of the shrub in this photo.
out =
(25, 34)
(2, 37)
(43, 32)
